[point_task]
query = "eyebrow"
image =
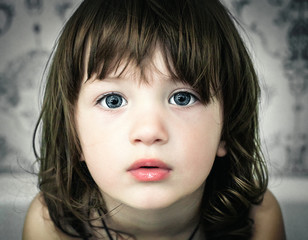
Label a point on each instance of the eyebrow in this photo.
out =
(122, 76)
(90, 80)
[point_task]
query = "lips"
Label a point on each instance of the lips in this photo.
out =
(149, 170)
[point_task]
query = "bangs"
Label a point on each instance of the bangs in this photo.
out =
(117, 32)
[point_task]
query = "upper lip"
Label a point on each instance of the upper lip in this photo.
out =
(154, 163)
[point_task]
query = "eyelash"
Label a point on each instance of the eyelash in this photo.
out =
(192, 98)
(105, 96)
(172, 100)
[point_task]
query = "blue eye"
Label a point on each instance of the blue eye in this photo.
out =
(182, 99)
(112, 100)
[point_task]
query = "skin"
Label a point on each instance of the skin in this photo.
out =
(268, 219)
(146, 126)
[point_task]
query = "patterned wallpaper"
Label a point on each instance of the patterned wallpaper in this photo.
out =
(276, 32)
(28, 29)
(278, 37)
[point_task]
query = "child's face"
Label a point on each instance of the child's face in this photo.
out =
(159, 124)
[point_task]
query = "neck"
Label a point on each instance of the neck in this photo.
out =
(177, 221)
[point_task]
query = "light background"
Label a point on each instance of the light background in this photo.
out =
(276, 32)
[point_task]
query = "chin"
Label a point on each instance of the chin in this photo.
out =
(152, 205)
(153, 202)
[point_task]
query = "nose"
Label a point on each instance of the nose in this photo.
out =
(148, 128)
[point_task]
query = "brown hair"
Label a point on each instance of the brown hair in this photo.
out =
(201, 47)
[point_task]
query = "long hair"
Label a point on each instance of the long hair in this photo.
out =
(201, 47)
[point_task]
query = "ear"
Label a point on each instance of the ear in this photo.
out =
(221, 150)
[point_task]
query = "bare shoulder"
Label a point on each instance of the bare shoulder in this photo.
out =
(38, 224)
(268, 221)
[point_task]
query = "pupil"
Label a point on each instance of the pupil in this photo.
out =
(182, 98)
(114, 101)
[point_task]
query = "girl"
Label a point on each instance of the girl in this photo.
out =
(150, 128)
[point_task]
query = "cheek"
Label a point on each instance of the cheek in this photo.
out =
(199, 150)
(99, 148)
(199, 161)
(103, 165)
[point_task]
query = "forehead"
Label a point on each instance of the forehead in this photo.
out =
(153, 66)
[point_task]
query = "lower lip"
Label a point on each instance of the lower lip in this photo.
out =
(150, 174)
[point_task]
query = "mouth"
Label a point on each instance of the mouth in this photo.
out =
(149, 170)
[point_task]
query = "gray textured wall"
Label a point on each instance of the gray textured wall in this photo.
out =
(277, 36)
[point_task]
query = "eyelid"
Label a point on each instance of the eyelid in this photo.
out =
(193, 94)
(188, 90)
(101, 97)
